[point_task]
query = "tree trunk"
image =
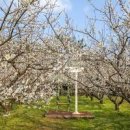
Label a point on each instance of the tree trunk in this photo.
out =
(7, 105)
(116, 107)
(101, 101)
(91, 97)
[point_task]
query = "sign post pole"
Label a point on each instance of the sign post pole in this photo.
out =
(76, 70)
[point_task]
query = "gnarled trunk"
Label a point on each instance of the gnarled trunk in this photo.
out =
(117, 101)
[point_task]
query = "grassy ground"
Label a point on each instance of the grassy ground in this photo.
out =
(24, 118)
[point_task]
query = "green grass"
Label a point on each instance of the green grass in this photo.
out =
(24, 118)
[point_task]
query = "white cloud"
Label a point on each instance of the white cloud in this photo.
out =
(60, 4)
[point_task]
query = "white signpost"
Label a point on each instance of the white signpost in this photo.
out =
(76, 70)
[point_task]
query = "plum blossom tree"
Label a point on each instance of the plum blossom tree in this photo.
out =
(28, 51)
(107, 56)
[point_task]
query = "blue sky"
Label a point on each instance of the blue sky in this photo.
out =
(79, 10)
(76, 9)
